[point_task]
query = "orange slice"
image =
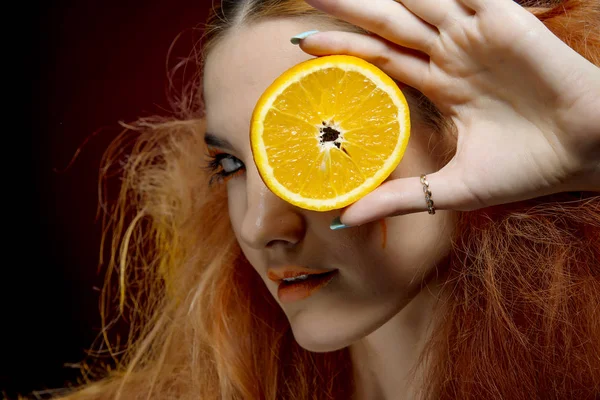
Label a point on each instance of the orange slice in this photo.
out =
(328, 131)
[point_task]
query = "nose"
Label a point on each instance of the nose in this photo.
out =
(269, 221)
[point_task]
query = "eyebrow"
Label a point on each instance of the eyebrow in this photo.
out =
(213, 140)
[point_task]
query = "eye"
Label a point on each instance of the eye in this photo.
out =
(223, 166)
(230, 164)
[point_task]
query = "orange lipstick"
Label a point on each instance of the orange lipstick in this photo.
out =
(298, 283)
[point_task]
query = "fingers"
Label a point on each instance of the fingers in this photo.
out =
(495, 6)
(438, 13)
(405, 196)
(392, 14)
(405, 65)
(480, 5)
(385, 18)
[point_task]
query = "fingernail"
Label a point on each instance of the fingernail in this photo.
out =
(298, 38)
(337, 224)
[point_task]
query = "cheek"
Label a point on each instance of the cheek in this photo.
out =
(237, 204)
(420, 239)
(238, 207)
(415, 245)
(426, 241)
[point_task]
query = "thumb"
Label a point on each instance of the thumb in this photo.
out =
(408, 195)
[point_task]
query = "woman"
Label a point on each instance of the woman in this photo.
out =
(497, 302)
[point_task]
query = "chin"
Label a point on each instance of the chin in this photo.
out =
(328, 331)
(320, 341)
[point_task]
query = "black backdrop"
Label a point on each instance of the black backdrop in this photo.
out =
(88, 65)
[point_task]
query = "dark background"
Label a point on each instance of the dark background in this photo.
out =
(88, 65)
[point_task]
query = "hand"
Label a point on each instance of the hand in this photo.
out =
(526, 106)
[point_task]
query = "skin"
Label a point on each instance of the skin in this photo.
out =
(380, 302)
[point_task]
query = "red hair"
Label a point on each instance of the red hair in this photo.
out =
(519, 315)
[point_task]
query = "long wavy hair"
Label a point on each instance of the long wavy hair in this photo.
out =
(518, 317)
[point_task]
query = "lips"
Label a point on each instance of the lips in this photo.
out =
(298, 283)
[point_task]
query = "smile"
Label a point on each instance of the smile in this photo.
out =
(298, 283)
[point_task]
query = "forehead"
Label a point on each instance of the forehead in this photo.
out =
(242, 65)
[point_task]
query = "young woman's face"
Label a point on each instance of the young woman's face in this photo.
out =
(371, 283)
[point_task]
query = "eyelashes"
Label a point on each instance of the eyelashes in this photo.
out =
(223, 166)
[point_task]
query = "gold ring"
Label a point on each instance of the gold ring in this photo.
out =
(428, 201)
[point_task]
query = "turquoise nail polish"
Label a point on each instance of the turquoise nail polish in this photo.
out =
(337, 224)
(298, 38)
